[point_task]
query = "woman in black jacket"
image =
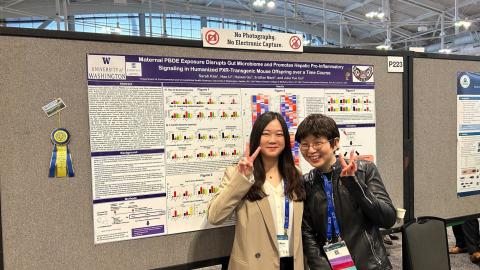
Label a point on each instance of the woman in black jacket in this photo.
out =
(360, 203)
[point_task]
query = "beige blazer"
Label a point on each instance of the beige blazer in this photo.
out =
(255, 245)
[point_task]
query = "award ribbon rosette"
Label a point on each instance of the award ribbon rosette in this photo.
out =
(61, 162)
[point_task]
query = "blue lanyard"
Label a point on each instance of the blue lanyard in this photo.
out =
(331, 217)
(287, 210)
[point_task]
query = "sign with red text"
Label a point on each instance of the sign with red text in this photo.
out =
(251, 40)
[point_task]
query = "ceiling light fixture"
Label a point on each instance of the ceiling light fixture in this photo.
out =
(417, 49)
(385, 46)
(463, 23)
(271, 4)
(375, 14)
(259, 3)
(422, 28)
(371, 14)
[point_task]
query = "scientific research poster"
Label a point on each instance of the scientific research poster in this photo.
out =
(468, 133)
(163, 130)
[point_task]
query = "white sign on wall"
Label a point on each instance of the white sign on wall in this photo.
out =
(395, 64)
(251, 40)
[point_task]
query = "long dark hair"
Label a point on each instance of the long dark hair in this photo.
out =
(294, 187)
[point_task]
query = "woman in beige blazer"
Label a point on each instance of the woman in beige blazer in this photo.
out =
(267, 196)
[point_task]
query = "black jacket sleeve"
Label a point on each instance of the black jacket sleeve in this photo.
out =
(368, 190)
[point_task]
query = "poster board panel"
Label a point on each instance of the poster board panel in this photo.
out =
(47, 223)
(435, 145)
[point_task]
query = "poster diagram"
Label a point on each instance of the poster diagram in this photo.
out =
(468, 133)
(163, 130)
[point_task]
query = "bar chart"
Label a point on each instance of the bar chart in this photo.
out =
(198, 210)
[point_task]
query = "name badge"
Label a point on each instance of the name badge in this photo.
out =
(283, 246)
(339, 257)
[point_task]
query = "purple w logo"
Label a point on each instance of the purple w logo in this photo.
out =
(106, 60)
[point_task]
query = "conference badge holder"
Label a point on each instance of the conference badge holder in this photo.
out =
(338, 256)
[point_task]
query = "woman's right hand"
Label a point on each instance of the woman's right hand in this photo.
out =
(245, 165)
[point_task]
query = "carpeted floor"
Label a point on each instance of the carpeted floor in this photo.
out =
(457, 261)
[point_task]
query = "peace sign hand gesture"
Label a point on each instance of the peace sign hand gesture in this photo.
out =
(245, 165)
(350, 169)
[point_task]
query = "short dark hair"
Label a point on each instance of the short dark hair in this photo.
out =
(286, 164)
(317, 125)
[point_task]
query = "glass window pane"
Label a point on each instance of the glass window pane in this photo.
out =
(196, 24)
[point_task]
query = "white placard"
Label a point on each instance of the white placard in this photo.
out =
(251, 40)
(395, 64)
(54, 107)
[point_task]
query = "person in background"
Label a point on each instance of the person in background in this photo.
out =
(345, 203)
(467, 238)
(265, 191)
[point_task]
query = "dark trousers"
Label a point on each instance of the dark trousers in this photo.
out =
(286, 263)
(467, 235)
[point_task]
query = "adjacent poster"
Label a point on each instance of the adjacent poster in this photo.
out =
(468, 133)
(163, 129)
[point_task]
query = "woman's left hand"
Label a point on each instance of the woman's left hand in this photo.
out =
(348, 169)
